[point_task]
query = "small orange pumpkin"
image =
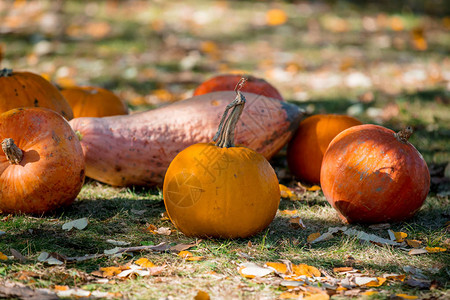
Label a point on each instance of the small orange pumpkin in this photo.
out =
(89, 101)
(221, 190)
(41, 161)
(26, 89)
(227, 82)
(306, 149)
(370, 174)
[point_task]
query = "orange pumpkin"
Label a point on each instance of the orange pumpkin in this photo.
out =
(371, 174)
(227, 82)
(25, 89)
(306, 149)
(220, 190)
(41, 161)
(89, 101)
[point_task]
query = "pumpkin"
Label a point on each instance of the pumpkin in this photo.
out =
(26, 89)
(41, 161)
(306, 149)
(89, 101)
(137, 149)
(219, 189)
(370, 174)
(227, 82)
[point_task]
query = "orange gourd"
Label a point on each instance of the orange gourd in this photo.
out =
(306, 149)
(227, 82)
(221, 190)
(89, 101)
(370, 174)
(26, 89)
(41, 161)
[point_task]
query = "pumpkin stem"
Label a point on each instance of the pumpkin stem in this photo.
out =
(5, 72)
(224, 137)
(404, 134)
(13, 154)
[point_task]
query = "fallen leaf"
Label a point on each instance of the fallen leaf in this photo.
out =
(399, 237)
(286, 192)
(303, 269)
(405, 296)
(138, 212)
(435, 249)
(396, 277)
(278, 267)
(133, 269)
(47, 258)
(376, 283)
(3, 256)
(296, 222)
(369, 237)
(18, 255)
(419, 283)
(118, 243)
(181, 247)
(288, 212)
(202, 295)
(78, 224)
(413, 243)
(290, 295)
(342, 269)
(110, 271)
(163, 231)
(313, 188)
(151, 228)
(60, 287)
(187, 255)
(312, 237)
(252, 270)
(276, 17)
(417, 251)
(144, 262)
(369, 293)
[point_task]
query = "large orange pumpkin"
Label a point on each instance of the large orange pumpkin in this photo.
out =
(370, 174)
(89, 101)
(220, 190)
(227, 82)
(41, 161)
(306, 149)
(26, 89)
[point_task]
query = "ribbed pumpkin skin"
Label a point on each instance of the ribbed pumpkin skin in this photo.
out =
(220, 192)
(227, 82)
(88, 101)
(369, 176)
(307, 147)
(26, 89)
(51, 172)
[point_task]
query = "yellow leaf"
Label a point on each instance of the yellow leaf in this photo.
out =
(313, 188)
(185, 254)
(341, 288)
(3, 256)
(289, 295)
(400, 236)
(110, 271)
(275, 17)
(303, 269)
(414, 243)
(279, 267)
(395, 277)
(61, 288)
(288, 212)
(144, 262)
(297, 222)
(202, 295)
(285, 192)
(312, 237)
(381, 280)
(405, 296)
(151, 228)
(397, 24)
(342, 269)
(435, 249)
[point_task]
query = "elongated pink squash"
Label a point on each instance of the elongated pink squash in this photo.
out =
(137, 149)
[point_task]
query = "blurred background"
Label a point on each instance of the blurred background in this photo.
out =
(384, 62)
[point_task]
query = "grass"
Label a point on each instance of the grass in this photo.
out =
(147, 49)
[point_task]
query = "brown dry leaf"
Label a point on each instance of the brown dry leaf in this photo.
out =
(303, 269)
(144, 262)
(435, 249)
(278, 267)
(202, 295)
(414, 243)
(182, 247)
(342, 269)
(3, 256)
(296, 222)
(18, 255)
(275, 17)
(312, 237)
(163, 231)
